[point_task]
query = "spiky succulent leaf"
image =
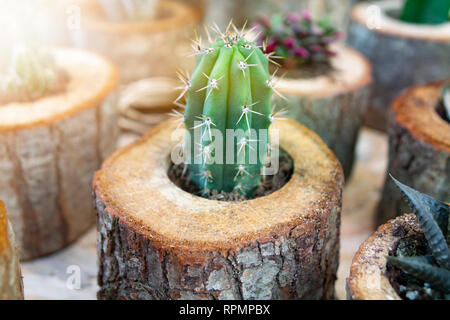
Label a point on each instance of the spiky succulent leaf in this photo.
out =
(434, 235)
(421, 268)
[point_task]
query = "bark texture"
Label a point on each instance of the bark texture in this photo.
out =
(11, 286)
(156, 241)
(336, 119)
(416, 163)
(46, 173)
(398, 62)
(153, 49)
(300, 263)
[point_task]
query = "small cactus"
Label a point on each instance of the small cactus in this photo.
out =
(31, 73)
(297, 39)
(228, 92)
(433, 216)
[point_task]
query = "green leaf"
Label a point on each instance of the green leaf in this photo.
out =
(419, 267)
(426, 208)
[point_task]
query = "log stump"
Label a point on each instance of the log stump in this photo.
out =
(419, 149)
(50, 149)
(332, 105)
(11, 286)
(142, 49)
(156, 241)
(369, 279)
(402, 54)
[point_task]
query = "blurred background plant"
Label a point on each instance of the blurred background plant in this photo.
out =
(426, 11)
(297, 38)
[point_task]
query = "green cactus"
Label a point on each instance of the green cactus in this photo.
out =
(229, 92)
(434, 218)
(426, 12)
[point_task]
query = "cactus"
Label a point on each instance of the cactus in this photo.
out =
(297, 39)
(427, 12)
(434, 218)
(229, 93)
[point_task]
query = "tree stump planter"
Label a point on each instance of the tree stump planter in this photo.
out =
(11, 286)
(156, 241)
(50, 149)
(331, 105)
(142, 49)
(369, 279)
(402, 54)
(419, 149)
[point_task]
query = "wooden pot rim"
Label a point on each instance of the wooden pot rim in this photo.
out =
(415, 109)
(395, 27)
(176, 219)
(3, 228)
(368, 279)
(91, 79)
(178, 15)
(352, 71)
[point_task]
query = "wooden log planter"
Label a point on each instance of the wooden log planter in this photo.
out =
(49, 150)
(146, 103)
(419, 149)
(11, 286)
(402, 54)
(142, 49)
(157, 241)
(369, 278)
(332, 105)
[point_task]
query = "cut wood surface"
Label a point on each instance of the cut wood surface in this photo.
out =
(402, 54)
(142, 50)
(368, 279)
(331, 105)
(156, 241)
(11, 287)
(419, 149)
(49, 150)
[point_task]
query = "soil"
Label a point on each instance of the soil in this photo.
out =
(407, 286)
(268, 184)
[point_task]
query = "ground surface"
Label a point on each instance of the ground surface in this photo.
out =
(55, 276)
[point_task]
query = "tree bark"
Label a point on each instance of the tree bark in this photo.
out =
(11, 286)
(186, 247)
(399, 59)
(45, 174)
(419, 150)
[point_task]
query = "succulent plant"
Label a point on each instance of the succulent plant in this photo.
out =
(228, 95)
(433, 216)
(427, 12)
(298, 39)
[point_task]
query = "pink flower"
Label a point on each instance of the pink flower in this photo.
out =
(271, 46)
(289, 42)
(317, 48)
(306, 15)
(301, 52)
(292, 18)
(338, 35)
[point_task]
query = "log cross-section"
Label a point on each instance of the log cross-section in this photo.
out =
(156, 241)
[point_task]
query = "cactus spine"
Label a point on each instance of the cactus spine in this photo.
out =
(229, 92)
